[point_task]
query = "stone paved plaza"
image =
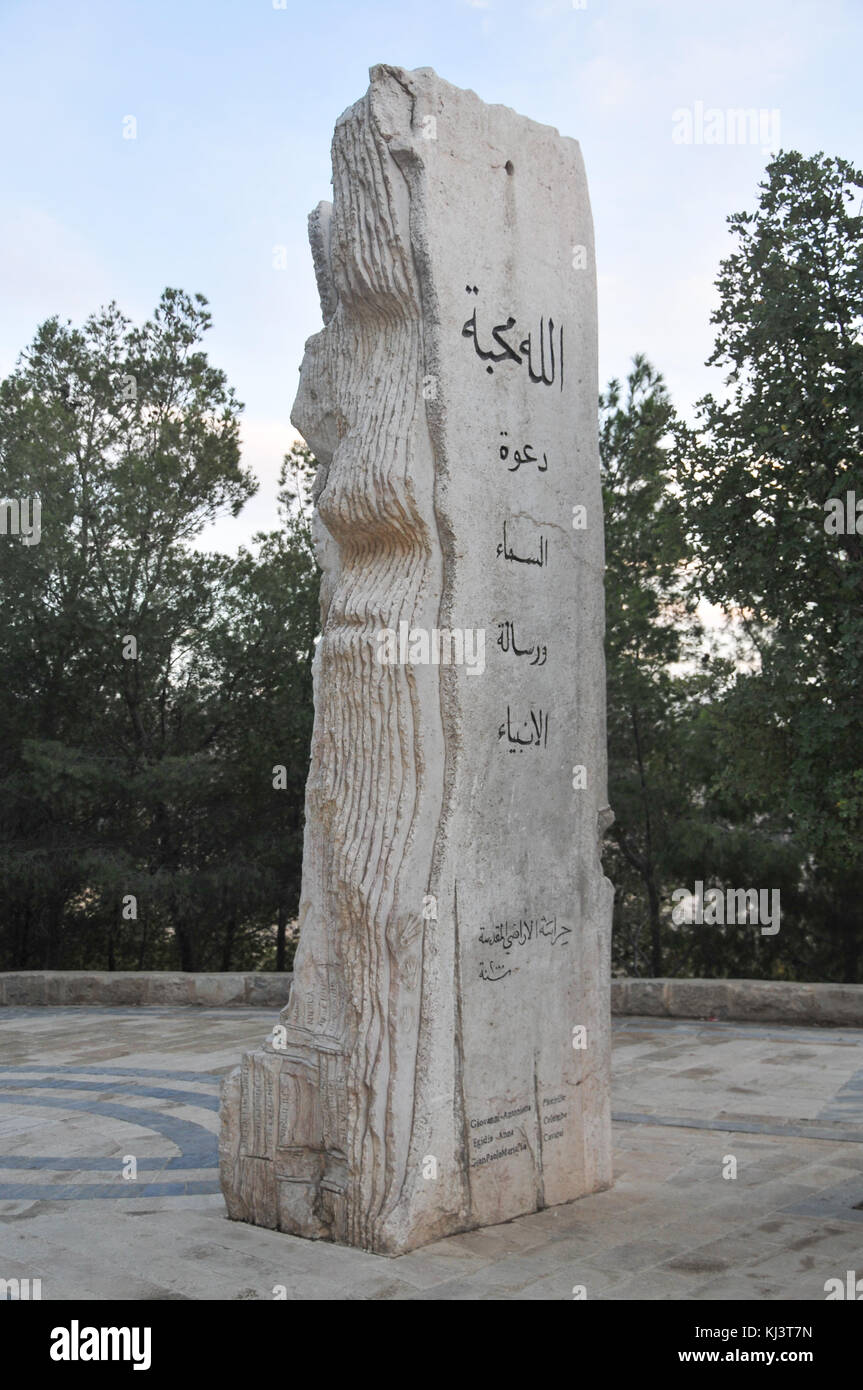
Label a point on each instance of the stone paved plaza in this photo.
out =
(83, 1088)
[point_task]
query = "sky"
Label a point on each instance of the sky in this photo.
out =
(234, 104)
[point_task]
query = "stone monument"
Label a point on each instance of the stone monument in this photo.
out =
(443, 1062)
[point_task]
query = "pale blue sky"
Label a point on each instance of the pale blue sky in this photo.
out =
(235, 103)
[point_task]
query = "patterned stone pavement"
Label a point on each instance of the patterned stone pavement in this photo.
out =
(84, 1091)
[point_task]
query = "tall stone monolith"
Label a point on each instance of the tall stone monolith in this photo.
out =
(443, 1062)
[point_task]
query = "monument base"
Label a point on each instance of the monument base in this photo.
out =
(269, 1180)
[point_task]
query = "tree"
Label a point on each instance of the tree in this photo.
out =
(145, 682)
(648, 630)
(757, 475)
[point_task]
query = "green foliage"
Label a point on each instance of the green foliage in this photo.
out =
(745, 770)
(737, 763)
(146, 772)
(756, 476)
(650, 628)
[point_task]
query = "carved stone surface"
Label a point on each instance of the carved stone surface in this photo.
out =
(443, 1062)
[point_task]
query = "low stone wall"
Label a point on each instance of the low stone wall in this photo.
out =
(144, 987)
(752, 1001)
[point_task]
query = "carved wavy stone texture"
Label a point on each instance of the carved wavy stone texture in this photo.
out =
(443, 1061)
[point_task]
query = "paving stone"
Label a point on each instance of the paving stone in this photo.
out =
(741, 1239)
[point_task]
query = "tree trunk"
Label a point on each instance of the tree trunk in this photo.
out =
(655, 938)
(281, 922)
(228, 946)
(649, 872)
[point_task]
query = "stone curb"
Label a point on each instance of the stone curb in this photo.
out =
(750, 1001)
(121, 987)
(745, 1001)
